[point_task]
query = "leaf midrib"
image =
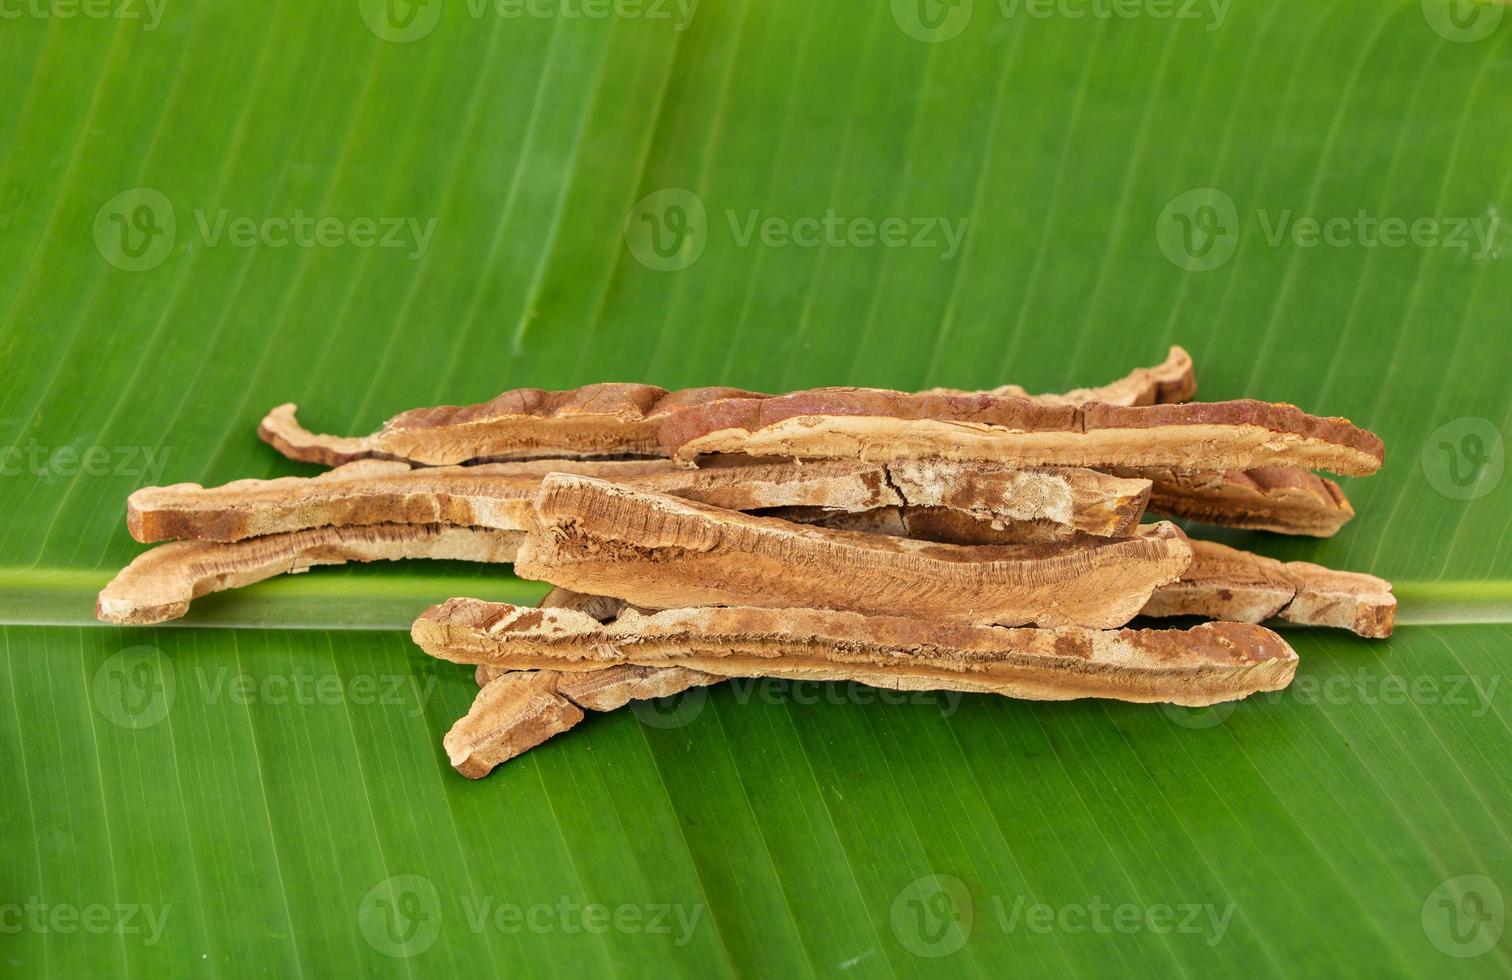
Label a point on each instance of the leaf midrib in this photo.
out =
(65, 597)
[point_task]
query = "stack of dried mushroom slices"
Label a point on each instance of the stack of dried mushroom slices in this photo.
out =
(973, 541)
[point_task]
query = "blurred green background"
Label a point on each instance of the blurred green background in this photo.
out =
(209, 208)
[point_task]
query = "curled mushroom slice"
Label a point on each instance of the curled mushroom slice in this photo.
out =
(1207, 664)
(660, 551)
(160, 583)
(1174, 380)
(1280, 499)
(887, 426)
(606, 420)
(592, 422)
(1226, 583)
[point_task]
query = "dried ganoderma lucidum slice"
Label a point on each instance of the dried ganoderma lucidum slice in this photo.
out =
(160, 583)
(501, 495)
(1207, 664)
(1280, 499)
(659, 551)
(602, 420)
(885, 426)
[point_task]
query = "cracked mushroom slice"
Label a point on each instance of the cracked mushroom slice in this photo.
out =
(1229, 584)
(160, 583)
(1207, 664)
(1280, 499)
(592, 422)
(889, 426)
(659, 551)
(501, 495)
(1169, 382)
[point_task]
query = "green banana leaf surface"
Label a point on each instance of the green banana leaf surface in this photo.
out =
(210, 208)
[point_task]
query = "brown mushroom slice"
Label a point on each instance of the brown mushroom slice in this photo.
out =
(160, 583)
(660, 551)
(888, 426)
(500, 495)
(592, 422)
(1207, 664)
(1229, 584)
(603, 420)
(1174, 380)
(516, 710)
(496, 495)
(1283, 500)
